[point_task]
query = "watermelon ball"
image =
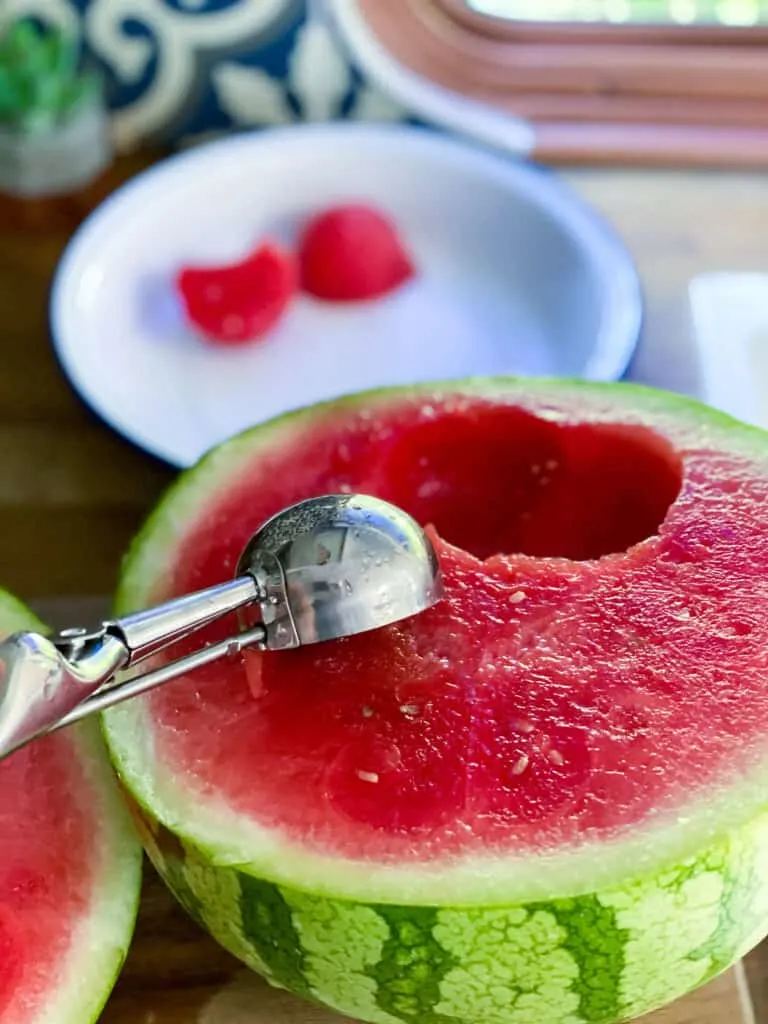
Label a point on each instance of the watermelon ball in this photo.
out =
(351, 253)
(70, 872)
(543, 799)
(240, 303)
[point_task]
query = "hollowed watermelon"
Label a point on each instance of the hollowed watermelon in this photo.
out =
(543, 800)
(70, 871)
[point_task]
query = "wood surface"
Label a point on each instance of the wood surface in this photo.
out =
(72, 493)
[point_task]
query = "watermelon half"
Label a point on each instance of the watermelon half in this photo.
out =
(543, 800)
(70, 872)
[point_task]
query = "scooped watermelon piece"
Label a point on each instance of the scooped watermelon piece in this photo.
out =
(239, 303)
(542, 800)
(70, 872)
(351, 253)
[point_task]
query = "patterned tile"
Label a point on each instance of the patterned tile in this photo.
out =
(184, 70)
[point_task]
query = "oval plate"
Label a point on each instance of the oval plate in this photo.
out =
(515, 276)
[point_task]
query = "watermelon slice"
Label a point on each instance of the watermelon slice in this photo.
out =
(543, 800)
(70, 872)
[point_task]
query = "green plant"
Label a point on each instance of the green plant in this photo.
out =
(41, 83)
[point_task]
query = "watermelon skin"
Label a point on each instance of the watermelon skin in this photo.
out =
(98, 951)
(594, 958)
(611, 941)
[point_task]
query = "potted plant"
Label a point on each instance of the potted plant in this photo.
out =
(54, 133)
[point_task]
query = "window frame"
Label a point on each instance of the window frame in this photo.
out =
(605, 93)
(541, 31)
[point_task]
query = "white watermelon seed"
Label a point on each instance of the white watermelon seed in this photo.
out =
(368, 776)
(428, 488)
(520, 764)
(517, 597)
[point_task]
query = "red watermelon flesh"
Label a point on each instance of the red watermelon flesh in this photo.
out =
(70, 872)
(599, 659)
(42, 893)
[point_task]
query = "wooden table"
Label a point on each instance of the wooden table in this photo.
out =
(72, 493)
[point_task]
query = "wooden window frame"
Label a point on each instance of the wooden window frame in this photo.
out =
(601, 32)
(606, 94)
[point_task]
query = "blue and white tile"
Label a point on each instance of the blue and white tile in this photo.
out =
(182, 70)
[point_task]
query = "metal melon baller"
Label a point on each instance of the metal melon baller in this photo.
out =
(325, 568)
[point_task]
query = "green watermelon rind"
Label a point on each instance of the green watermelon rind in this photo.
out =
(100, 948)
(594, 958)
(602, 934)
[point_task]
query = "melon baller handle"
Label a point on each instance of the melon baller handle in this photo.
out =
(326, 568)
(47, 683)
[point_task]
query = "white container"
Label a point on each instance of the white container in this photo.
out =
(729, 310)
(515, 275)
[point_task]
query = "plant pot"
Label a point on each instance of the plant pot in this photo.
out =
(60, 160)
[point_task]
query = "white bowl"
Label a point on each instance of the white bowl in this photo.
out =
(515, 275)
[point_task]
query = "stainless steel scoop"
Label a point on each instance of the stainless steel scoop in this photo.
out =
(325, 568)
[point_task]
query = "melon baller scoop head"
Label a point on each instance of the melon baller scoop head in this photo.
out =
(326, 568)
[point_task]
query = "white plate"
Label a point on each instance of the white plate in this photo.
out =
(515, 276)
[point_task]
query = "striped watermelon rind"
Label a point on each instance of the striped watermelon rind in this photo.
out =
(596, 957)
(600, 934)
(99, 950)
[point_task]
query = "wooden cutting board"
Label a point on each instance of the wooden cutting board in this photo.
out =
(176, 974)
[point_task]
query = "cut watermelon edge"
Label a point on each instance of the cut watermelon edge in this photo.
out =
(474, 880)
(104, 937)
(605, 932)
(101, 942)
(619, 953)
(151, 546)
(738, 815)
